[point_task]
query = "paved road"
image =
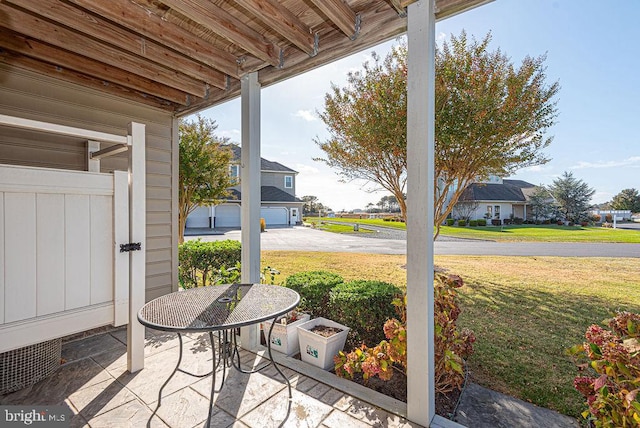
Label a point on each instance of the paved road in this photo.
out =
(307, 239)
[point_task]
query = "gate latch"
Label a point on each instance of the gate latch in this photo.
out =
(132, 246)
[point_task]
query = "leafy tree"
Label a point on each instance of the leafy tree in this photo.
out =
(628, 199)
(573, 196)
(541, 203)
(204, 168)
(309, 204)
(491, 119)
(368, 125)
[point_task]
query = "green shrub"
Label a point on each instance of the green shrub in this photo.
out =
(450, 222)
(314, 288)
(482, 222)
(473, 223)
(609, 376)
(364, 306)
(200, 262)
(462, 223)
(451, 345)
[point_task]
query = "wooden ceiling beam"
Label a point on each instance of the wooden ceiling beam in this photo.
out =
(341, 15)
(284, 22)
(398, 7)
(151, 26)
(66, 60)
(71, 76)
(226, 25)
(448, 8)
(107, 32)
(37, 28)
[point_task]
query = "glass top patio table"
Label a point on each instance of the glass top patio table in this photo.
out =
(218, 307)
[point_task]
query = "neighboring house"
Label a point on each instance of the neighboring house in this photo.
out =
(279, 205)
(499, 199)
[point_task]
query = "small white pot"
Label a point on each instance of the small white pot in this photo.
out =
(319, 350)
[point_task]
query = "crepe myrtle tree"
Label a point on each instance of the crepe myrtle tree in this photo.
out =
(204, 176)
(491, 118)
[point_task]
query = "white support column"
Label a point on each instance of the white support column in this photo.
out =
(250, 179)
(137, 233)
(420, 199)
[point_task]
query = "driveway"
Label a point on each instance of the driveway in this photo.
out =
(306, 239)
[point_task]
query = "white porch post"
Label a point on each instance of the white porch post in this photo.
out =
(420, 199)
(250, 179)
(137, 233)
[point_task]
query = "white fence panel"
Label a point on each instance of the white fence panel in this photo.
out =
(57, 251)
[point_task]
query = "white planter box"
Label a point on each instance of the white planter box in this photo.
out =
(284, 338)
(319, 350)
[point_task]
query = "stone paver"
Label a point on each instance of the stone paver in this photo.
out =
(305, 411)
(99, 392)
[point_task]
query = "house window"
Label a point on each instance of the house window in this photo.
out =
(489, 213)
(288, 182)
(497, 211)
(234, 171)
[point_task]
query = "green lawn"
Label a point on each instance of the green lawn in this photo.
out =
(525, 311)
(544, 233)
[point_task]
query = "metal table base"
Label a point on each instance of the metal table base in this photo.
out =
(228, 352)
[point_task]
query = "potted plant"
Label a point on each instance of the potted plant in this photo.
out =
(320, 340)
(284, 337)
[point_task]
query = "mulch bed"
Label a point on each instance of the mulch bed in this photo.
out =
(396, 387)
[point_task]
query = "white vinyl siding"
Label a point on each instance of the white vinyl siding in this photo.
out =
(33, 96)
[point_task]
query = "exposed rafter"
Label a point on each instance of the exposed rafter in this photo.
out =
(226, 25)
(186, 55)
(341, 15)
(282, 21)
(59, 57)
(399, 7)
(61, 37)
(110, 33)
(151, 26)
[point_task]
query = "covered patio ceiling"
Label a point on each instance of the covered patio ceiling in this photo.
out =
(186, 55)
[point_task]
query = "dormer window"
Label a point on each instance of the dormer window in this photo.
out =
(288, 182)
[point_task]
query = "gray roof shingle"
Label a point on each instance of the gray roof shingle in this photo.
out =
(509, 190)
(265, 165)
(267, 194)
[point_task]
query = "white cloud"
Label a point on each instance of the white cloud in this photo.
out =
(633, 161)
(232, 134)
(306, 169)
(307, 115)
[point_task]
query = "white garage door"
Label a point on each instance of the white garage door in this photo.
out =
(227, 216)
(199, 217)
(275, 216)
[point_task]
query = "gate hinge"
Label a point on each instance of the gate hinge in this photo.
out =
(132, 246)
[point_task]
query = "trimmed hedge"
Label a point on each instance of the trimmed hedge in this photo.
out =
(482, 222)
(450, 222)
(364, 306)
(199, 262)
(462, 223)
(314, 288)
(473, 223)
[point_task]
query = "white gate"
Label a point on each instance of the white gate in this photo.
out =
(59, 231)
(65, 241)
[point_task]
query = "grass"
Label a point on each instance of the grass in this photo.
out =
(340, 228)
(522, 233)
(525, 311)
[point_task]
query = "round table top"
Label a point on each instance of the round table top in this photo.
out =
(218, 307)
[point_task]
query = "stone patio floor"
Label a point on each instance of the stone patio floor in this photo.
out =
(99, 391)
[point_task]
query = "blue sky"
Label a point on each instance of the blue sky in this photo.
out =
(593, 50)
